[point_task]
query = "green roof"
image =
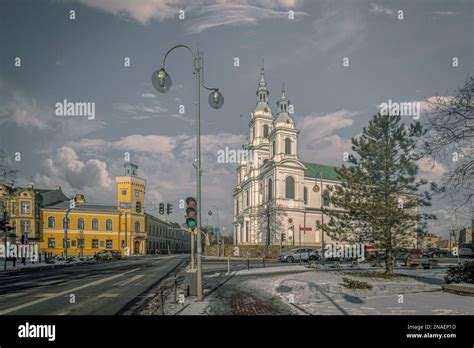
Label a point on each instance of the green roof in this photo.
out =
(314, 170)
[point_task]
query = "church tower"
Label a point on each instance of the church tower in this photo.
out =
(284, 138)
(261, 123)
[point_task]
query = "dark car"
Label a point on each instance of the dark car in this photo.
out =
(116, 254)
(435, 252)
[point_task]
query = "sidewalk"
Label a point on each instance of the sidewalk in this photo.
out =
(272, 291)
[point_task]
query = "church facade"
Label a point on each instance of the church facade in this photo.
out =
(278, 197)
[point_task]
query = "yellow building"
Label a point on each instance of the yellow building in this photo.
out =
(24, 205)
(95, 227)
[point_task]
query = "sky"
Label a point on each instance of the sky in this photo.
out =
(82, 59)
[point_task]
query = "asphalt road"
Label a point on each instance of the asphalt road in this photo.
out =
(102, 288)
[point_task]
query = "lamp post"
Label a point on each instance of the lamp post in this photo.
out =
(161, 81)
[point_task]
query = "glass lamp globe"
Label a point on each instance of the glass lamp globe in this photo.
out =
(216, 99)
(161, 80)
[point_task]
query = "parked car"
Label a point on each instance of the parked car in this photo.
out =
(466, 252)
(103, 255)
(116, 254)
(404, 253)
(432, 252)
(294, 255)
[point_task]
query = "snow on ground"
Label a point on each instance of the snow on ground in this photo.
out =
(320, 292)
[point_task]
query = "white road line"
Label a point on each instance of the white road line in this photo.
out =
(31, 303)
(107, 295)
(14, 294)
(127, 281)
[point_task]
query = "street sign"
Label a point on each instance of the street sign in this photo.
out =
(305, 229)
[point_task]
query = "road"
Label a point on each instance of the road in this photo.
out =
(102, 288)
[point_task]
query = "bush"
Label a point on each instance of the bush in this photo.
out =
(463, 272)
(355, 284)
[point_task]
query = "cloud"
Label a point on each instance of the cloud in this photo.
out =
(204, 14)
(431, 170)
(65, 169)
(379, 9)
(18, 109)
(318, 142)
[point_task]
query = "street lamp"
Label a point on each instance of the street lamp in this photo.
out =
(162, 82)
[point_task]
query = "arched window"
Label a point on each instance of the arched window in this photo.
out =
(288, 146)
(290, 187)
(265, 131)
(66, 222)
(326, 198)
(95, 224)
(137, 226)
(51, 222)
(80, 224)
(108, 225)
(138, 207)
(270, 189)
(305, 195)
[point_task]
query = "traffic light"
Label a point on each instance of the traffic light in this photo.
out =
(191, 212)
(283, 237)
(169, 209)
(162, 208)
(4, 226)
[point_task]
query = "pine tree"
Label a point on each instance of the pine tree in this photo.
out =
(378, 199)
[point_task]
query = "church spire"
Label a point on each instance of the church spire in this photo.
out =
(262, 92)
(283, 102)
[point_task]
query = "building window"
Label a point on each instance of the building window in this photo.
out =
(95, 224)
(73, 243)
(101, 243)
(25, 226)
(68, 243)
(137, 194)
(247, 231)
(137, 226)
(274, 148)
(305, 195)
(25, 207)
(326, 198)
(51, 222)
(270, 189)
(287, 146)
(80, 224)
(14, 208)
(247, 198)
(66, 222)
(95, 243)
(108, 225)
(265, 131)
(237, 206)
(124, 192)
(290, 187)
(80, 243)
(51, 243)
(138, 207)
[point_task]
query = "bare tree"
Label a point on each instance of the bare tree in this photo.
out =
(7, 172)
(269, 224)
(450, 138)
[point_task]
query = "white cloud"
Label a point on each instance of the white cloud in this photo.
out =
(379, 9)
(203, 14)
(65, 169)
(317, 141)
(18, 109)
(431, 170)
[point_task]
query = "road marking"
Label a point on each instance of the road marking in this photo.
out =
(46, 294)
(14, 294)
(66, 292)
(107, 295)
(127, 281)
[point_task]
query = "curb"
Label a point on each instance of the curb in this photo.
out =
(458, 289)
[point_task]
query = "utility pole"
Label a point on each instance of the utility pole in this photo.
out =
(322, 216)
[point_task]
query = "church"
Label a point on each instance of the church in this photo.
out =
(278, 197)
